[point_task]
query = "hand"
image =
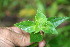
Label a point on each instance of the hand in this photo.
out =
(13, 36)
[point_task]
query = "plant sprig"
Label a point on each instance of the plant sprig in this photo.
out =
(41, 23)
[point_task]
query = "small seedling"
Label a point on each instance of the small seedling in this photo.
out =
(40, 26)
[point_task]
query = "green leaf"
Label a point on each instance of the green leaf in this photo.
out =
(57, 21)
(49, 28)
(37, 28)
(37, 37)
(27, 26)
(40, 19)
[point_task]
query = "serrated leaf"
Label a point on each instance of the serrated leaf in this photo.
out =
(49, 28)
(37, 37)
(27, 26)
(40, 19)
(57, 21)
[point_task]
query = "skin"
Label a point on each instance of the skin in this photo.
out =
(13, 36)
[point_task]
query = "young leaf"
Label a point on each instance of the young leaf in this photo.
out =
(37, 37)
(27, 26)
(40, 19)
(57, 21)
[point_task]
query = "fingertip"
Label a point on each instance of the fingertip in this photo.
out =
(42, 43)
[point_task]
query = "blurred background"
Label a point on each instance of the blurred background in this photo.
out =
(13, 11)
